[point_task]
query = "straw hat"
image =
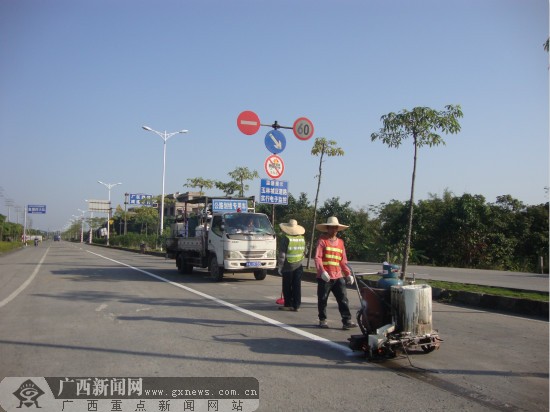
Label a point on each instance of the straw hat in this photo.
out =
(292, 228)
(331, 221)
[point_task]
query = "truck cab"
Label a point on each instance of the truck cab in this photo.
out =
(243, 241)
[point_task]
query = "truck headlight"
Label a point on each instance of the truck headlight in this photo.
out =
(270, 254)
(232, 254)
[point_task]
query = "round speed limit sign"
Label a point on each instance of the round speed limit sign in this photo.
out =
(303, 128)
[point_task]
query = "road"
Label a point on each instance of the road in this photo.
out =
(505, 279)
(78, 310)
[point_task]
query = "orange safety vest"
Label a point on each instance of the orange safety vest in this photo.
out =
(332, 255)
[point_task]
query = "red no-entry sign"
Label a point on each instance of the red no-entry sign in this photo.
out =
(248, 122)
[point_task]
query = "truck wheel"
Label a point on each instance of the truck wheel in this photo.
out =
(183, 266)
(216, 272)
(180, 263)
(260, 274)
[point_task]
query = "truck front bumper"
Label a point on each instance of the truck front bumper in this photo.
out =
(249, 265)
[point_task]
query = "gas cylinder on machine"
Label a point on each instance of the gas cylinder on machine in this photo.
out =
(390, 276)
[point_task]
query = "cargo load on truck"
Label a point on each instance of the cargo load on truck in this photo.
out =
(223, 234)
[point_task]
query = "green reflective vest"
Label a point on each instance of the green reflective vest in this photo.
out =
(296, 248)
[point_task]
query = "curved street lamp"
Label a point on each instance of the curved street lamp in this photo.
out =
(164, 136)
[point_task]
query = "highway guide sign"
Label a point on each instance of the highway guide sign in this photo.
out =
(36, 209)
(303, 128)
(248, 122)
(275, 141)
(274, 192)
(274, 166)
(141, 199)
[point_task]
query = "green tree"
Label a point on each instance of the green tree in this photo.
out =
(321, 147)
(146, 216)
(421, 123)
(200, 183)
(428, 227)
(468, 235)
(242, 174)
(227, 188)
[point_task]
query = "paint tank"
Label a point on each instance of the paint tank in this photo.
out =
(412, 308)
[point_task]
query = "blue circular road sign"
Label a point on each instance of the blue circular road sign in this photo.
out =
(275, 141)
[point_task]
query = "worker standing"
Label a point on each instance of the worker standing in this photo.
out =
(292, 247)
(332, 272)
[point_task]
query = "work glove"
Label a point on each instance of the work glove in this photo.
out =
(325, 276)
(280, 271)
(350, 280)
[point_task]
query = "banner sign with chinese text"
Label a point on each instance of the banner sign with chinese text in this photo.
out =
(274, 192)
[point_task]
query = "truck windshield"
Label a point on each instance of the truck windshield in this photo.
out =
(247, 223)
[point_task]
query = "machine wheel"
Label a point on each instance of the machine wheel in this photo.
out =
(428, 348)
(359, 318)
(260, 274)
(216, 272)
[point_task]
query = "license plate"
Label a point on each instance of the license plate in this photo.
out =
(253, 264)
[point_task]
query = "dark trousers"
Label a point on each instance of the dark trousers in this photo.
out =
(338, 289)
(292, 287)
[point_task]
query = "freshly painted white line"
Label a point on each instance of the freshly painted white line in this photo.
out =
(101, 307)
(273, 322)
(24, 284)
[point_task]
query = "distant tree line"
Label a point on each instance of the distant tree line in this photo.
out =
(13, 232)
(457, 231)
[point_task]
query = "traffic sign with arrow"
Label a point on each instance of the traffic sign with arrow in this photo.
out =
(275, 141)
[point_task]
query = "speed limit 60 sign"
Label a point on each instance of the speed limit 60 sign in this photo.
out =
(303, 128)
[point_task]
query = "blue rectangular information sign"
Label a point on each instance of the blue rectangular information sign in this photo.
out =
(274, 192)
(36, 209)
(141, 199)
(229, 205)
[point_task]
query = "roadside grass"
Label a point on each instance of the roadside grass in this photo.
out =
(9, 246)
(466, 287)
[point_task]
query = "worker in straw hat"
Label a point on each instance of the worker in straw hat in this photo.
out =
(292, 246)
(332, 272)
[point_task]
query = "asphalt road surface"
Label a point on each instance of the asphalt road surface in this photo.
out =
(78, 310)
(505, 279)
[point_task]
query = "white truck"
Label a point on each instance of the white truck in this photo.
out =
(223, 234)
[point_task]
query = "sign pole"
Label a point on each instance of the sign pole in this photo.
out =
(25, 227)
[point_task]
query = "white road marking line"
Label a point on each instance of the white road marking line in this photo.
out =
(101, 307)
(26, 283)
(273, 322)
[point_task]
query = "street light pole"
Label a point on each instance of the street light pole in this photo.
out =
(164, 136)
(82, 230)
(109, 186)
(126, 213)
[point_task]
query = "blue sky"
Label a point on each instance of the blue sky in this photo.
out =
(78, 79)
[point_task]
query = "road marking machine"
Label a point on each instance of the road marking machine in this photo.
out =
(393, 318)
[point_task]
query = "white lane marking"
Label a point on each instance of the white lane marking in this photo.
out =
(273, 322)
(101, 307)
(26, 283)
